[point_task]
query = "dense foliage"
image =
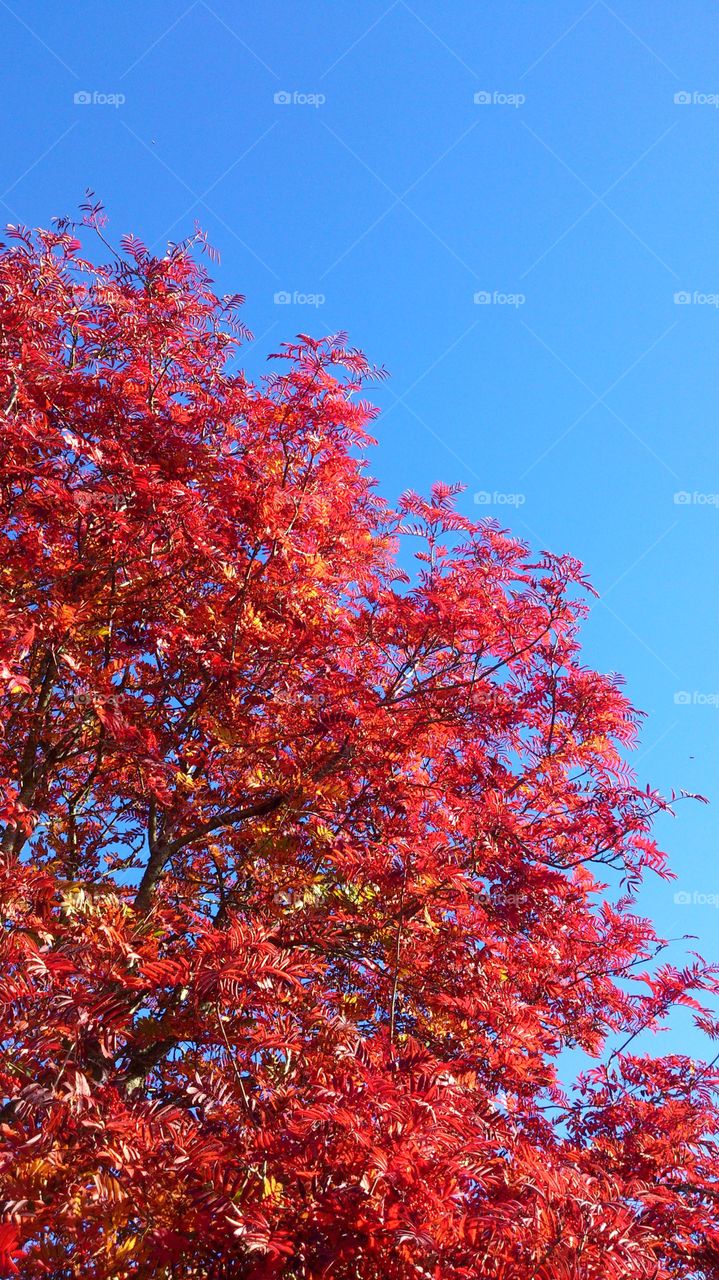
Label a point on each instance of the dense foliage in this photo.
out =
(302, 858)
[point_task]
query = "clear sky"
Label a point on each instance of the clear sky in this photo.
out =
(382, 164)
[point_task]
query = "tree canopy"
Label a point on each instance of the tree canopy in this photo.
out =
(309, 812)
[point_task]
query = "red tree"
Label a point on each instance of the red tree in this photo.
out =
(302, 859)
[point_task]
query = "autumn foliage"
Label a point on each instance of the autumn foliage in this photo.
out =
(305, 858)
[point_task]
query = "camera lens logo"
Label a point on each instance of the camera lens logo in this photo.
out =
(482, 98)
(282, 98)
(682, 499)
(98, 98)
(283, 297)
(482, 297)
(682, 98)
(682, 298)
(682, 698)
(682, 899)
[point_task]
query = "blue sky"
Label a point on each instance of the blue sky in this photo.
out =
(338, 154)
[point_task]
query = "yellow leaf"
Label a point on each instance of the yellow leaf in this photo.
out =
(432, 923)
(126, 1247)
(225, 735)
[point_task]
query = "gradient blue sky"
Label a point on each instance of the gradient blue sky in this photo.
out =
(384, 188)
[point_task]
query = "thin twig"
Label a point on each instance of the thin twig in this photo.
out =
(397, 949)
(233, 1064)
